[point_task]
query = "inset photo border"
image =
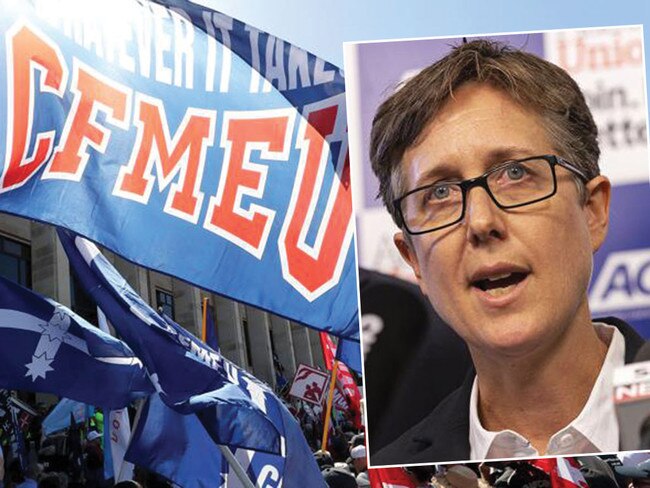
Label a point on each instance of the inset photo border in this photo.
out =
(516, 285)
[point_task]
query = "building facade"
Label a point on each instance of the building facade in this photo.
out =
(266, 345)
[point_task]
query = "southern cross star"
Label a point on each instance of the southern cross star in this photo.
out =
(39, 367)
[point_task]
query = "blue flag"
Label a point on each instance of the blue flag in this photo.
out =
(59, 418)
(135, 122)
(46, 347)
(349, 352)
(189, 376)
(294, 466)
(17, 439)
(177, 447)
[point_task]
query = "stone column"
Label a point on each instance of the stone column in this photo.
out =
(187, 306)
(229, 330)
(301, 346)
(316, 349)
(283, 341)
(50, 267)
(259, 324)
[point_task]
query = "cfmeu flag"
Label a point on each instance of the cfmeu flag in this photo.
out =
(127, 119)
(178, 447)
(46, 347)
(188, 375)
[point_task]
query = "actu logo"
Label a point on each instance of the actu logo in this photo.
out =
(623, 282)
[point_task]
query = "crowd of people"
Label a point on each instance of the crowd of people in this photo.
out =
(345, 463)
(75, 458)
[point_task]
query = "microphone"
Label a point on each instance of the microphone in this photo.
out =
(632, 401)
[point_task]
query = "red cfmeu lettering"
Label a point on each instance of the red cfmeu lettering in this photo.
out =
(313, 270)
(178, 161)
(182, 157)
(28, 50)
(270, 132)
(92, 92)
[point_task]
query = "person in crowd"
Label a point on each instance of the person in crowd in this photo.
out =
(31, 475)
(94, 460)
(456, 476)
(488, 163)
(53, 480)
(323, 459)
(360, 463)
(421, 475)
(336, 477)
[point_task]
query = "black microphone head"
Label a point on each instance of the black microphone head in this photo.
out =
(643, 354)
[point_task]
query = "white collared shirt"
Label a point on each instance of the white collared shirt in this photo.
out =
(595, 429)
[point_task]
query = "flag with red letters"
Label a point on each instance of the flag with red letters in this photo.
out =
(189, 143)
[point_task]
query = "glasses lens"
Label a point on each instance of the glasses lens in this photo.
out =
(521, 182)
(432, 207)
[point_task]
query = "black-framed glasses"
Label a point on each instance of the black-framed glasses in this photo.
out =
(510, 185)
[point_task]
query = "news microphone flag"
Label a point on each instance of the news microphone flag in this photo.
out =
(189, 376)
(564, 472)
(45, 347)
(126, 120)
(390, 478)
(632, 402)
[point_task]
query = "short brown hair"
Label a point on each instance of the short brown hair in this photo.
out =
(528, 79)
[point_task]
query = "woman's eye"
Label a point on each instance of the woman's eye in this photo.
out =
(515, 172)
(440, 192)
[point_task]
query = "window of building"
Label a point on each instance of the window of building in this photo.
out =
(165, 303)
(247, 341)
(15, 261)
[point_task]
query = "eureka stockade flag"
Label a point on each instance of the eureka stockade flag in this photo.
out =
(46, 347)
(186, 141)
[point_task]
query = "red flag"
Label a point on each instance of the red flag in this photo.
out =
(564, 472)
(344, 378)
(390, 478)
(329, 350)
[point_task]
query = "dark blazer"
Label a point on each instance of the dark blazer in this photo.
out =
(443, 435)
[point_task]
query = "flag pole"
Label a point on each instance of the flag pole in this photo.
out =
(239, 470)
(204, 334)
(330, 398)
